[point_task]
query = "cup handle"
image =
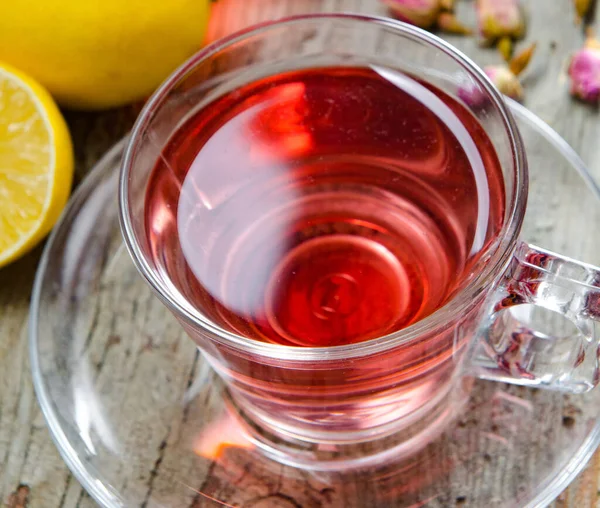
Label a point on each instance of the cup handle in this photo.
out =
(510, 351)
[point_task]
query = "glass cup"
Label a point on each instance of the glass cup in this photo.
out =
(353, 405)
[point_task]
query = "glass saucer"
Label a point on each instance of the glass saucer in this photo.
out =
(140, 419)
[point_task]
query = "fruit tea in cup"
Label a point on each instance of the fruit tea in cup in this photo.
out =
(324, 207)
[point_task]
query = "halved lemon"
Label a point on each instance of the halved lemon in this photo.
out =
(36, 163)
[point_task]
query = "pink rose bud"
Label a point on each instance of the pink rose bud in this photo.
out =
(427, 13)
(472, 96)
(500, 18)
(501, 21)
(584, 71)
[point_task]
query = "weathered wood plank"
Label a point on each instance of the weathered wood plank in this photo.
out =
(27, 454)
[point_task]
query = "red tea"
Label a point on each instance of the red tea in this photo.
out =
(324, 207)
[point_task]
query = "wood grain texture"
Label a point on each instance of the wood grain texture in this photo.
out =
(31, 470)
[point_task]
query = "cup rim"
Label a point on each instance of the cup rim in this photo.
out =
(500, 255)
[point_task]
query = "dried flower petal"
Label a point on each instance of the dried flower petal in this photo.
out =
(501, 20)
(422, 13)
(584, 71)
(520, 62)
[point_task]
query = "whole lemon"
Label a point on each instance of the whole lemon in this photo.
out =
(94, 54)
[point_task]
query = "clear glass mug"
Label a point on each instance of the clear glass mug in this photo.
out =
(354, 404)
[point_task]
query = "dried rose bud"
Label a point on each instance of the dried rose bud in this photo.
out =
(505, 81)
(505, 78)
(500, 18)
(427, 13)
(584, 71)
(501, 21)
(422, 13)
(502, 78)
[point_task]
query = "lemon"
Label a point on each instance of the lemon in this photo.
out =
(92, 54)
(36, 163)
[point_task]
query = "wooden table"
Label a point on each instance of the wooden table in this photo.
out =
(31, 470)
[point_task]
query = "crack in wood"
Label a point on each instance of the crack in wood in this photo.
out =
(66, 489)
(200, 495)
(154, 472)
(82, 495)
(190, 380)
(149, 300)
(91, 331)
